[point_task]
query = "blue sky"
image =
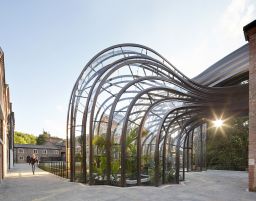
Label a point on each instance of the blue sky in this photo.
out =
(47, 43)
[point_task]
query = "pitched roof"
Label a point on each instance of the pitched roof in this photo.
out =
(34, 146)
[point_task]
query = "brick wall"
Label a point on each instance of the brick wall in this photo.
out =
(6, 129)
(250, 35)
(252, 114)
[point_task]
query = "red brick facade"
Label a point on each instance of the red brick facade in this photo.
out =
(6, 123)
(250, 35)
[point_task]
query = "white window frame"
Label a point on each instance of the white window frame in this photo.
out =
(20, 150)
(56, 152)
(21, 158)
(44, 151)
(35, 151)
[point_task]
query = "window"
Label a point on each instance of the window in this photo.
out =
(21, 151)
(22, 158)
(56, 152)
(35, 151)
(44, 151)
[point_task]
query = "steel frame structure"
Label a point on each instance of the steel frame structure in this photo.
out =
(131, 89)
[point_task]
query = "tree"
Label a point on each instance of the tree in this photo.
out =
(24, 138)
(227, 148)
(42, 138)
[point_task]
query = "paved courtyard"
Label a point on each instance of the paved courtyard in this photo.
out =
(21, 185)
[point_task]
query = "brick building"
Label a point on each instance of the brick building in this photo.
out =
(43, 152)
(6, 123)
(54, 149)
(57, 142)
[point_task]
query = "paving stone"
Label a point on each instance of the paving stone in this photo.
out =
(21, 185)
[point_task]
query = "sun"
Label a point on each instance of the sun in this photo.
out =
(218, 123)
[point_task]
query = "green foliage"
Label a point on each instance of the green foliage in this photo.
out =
(42, 138)
(115, 166)
(78, 157)
(100, 142)
(171, 175)
(131, 162)
(151, 173)
(100, 162)
(228, 149)
(24, 138)
(132, 136)
(146, 160)
(100, 165)
(79, 139)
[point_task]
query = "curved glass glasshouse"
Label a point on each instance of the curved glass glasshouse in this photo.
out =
(134, 119)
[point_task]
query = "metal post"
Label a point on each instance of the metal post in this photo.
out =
(177, 166)
(192, 151)
(201, 147)
(188, 153)
(183, 164)
(205, 144)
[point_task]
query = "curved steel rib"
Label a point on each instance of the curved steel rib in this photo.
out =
(129, 98)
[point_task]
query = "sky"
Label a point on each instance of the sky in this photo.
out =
(47, 43)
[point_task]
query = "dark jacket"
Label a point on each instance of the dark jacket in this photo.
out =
(28, 159)
(33, 161)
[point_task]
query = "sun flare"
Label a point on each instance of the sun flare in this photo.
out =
(218, 123)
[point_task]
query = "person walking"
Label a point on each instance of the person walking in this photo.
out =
(28, 159)
(33, 160)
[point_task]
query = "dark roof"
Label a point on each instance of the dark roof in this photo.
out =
(247, 28)
(232, 65)
(34, 146)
